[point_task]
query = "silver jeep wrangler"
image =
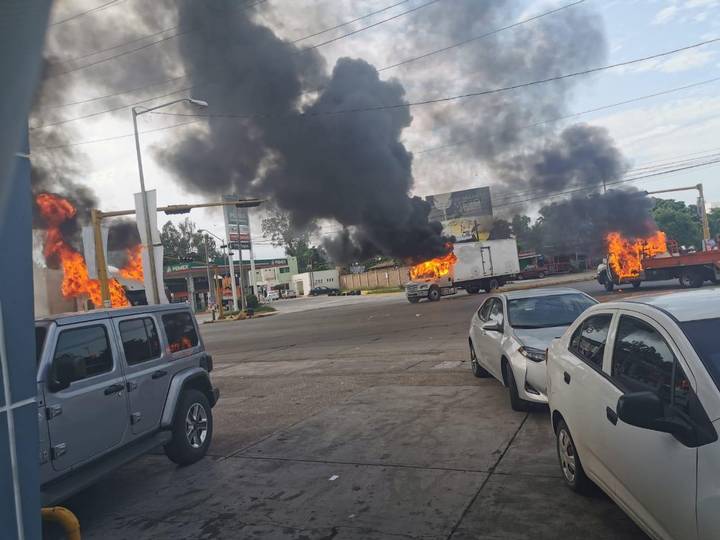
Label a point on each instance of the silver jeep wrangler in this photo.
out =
(114, 384)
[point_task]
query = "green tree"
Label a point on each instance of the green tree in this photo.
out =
(282, 232)
(678, 221)
(184, 242)
(500, 229)
(714, 220)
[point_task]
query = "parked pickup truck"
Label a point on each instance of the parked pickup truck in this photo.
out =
(114, 384)
(479, 266)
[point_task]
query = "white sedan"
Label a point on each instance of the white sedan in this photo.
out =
(512, 347)
(634, 392)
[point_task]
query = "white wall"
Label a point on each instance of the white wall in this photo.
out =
(320, 278)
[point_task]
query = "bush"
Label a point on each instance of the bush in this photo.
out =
(252, 301)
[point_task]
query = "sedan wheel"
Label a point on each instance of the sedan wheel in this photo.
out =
(477, 369)
(572, 469)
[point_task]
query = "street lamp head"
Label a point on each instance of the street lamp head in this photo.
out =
(198, 102)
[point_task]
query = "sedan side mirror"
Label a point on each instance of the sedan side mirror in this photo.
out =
(493, 326)
(646, 410)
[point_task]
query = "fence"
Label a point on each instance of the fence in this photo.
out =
(376, 279)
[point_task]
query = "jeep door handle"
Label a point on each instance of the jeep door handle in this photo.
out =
(114, 389)
(566, 377)
(159, 373)
(611, 415)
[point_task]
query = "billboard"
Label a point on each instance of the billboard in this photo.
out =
(237, 225)
(466, 215)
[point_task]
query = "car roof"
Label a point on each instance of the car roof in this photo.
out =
(683, 306)
(107, 313)
(534, 293)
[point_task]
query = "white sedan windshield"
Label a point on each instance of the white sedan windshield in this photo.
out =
(703, 337)
(547, 311)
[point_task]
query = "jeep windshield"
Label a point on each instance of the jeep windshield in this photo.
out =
(547, 311)
(702, 335)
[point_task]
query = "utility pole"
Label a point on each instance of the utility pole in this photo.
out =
(137, 111)
(701, 208)
(95, 217)
(211, 291)
(253, 278)
(154, 296)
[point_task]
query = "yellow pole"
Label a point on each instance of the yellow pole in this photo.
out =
(95, 217)
(65, 518)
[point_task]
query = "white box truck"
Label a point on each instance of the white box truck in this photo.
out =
(479, 266)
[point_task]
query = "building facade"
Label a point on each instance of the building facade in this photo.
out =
(302, 283)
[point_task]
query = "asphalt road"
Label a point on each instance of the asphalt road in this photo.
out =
(356, 417)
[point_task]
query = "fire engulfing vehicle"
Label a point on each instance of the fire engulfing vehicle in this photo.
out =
(472, 266)
(655, 259)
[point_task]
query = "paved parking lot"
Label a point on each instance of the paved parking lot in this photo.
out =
(357, 420)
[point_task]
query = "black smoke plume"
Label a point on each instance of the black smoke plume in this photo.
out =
(351, 168)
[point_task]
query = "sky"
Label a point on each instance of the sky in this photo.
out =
(671, 127)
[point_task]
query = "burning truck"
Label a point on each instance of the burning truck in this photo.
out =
(472, 266)
(655, 258)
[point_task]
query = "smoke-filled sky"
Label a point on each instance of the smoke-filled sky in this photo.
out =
(358, 169)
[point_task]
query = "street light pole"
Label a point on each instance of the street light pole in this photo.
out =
(155, 293)
(154, 297)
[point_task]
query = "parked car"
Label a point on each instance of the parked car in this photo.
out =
(272, 295)
(290, 293)
(532, 271)
(114, 384)
(634, 392)
(318, 291)
(512, 347)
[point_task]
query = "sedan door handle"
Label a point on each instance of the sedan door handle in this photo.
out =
(159, 373)
(566, 377)
(114, 389)
(611, 415)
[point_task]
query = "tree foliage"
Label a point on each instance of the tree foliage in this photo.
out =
(183, 242)
(680, 222)
(296, 241)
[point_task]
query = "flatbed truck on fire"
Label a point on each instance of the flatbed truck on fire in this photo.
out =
(473, 266)
(659, 264)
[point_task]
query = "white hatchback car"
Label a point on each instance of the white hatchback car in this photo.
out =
(634, 392)
(512, 348)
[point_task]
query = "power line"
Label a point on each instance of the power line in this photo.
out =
(447, 99)
(124, 53)
(349, 22)
(141, 38)
(508, 197)
(580, 113)
(368, 27)
(482, 36)
(83, 13)
(621, 181)
(177, 78)
(415, 152)
(208, 83)
(98, 113)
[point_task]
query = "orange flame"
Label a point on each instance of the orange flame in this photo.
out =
(625, 255)
(133, 269)
(76, 281)
(434, 268)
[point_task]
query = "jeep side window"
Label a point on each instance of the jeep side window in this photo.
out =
(82, 353)
(140, 340)
(588, 340)
(180, 331)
